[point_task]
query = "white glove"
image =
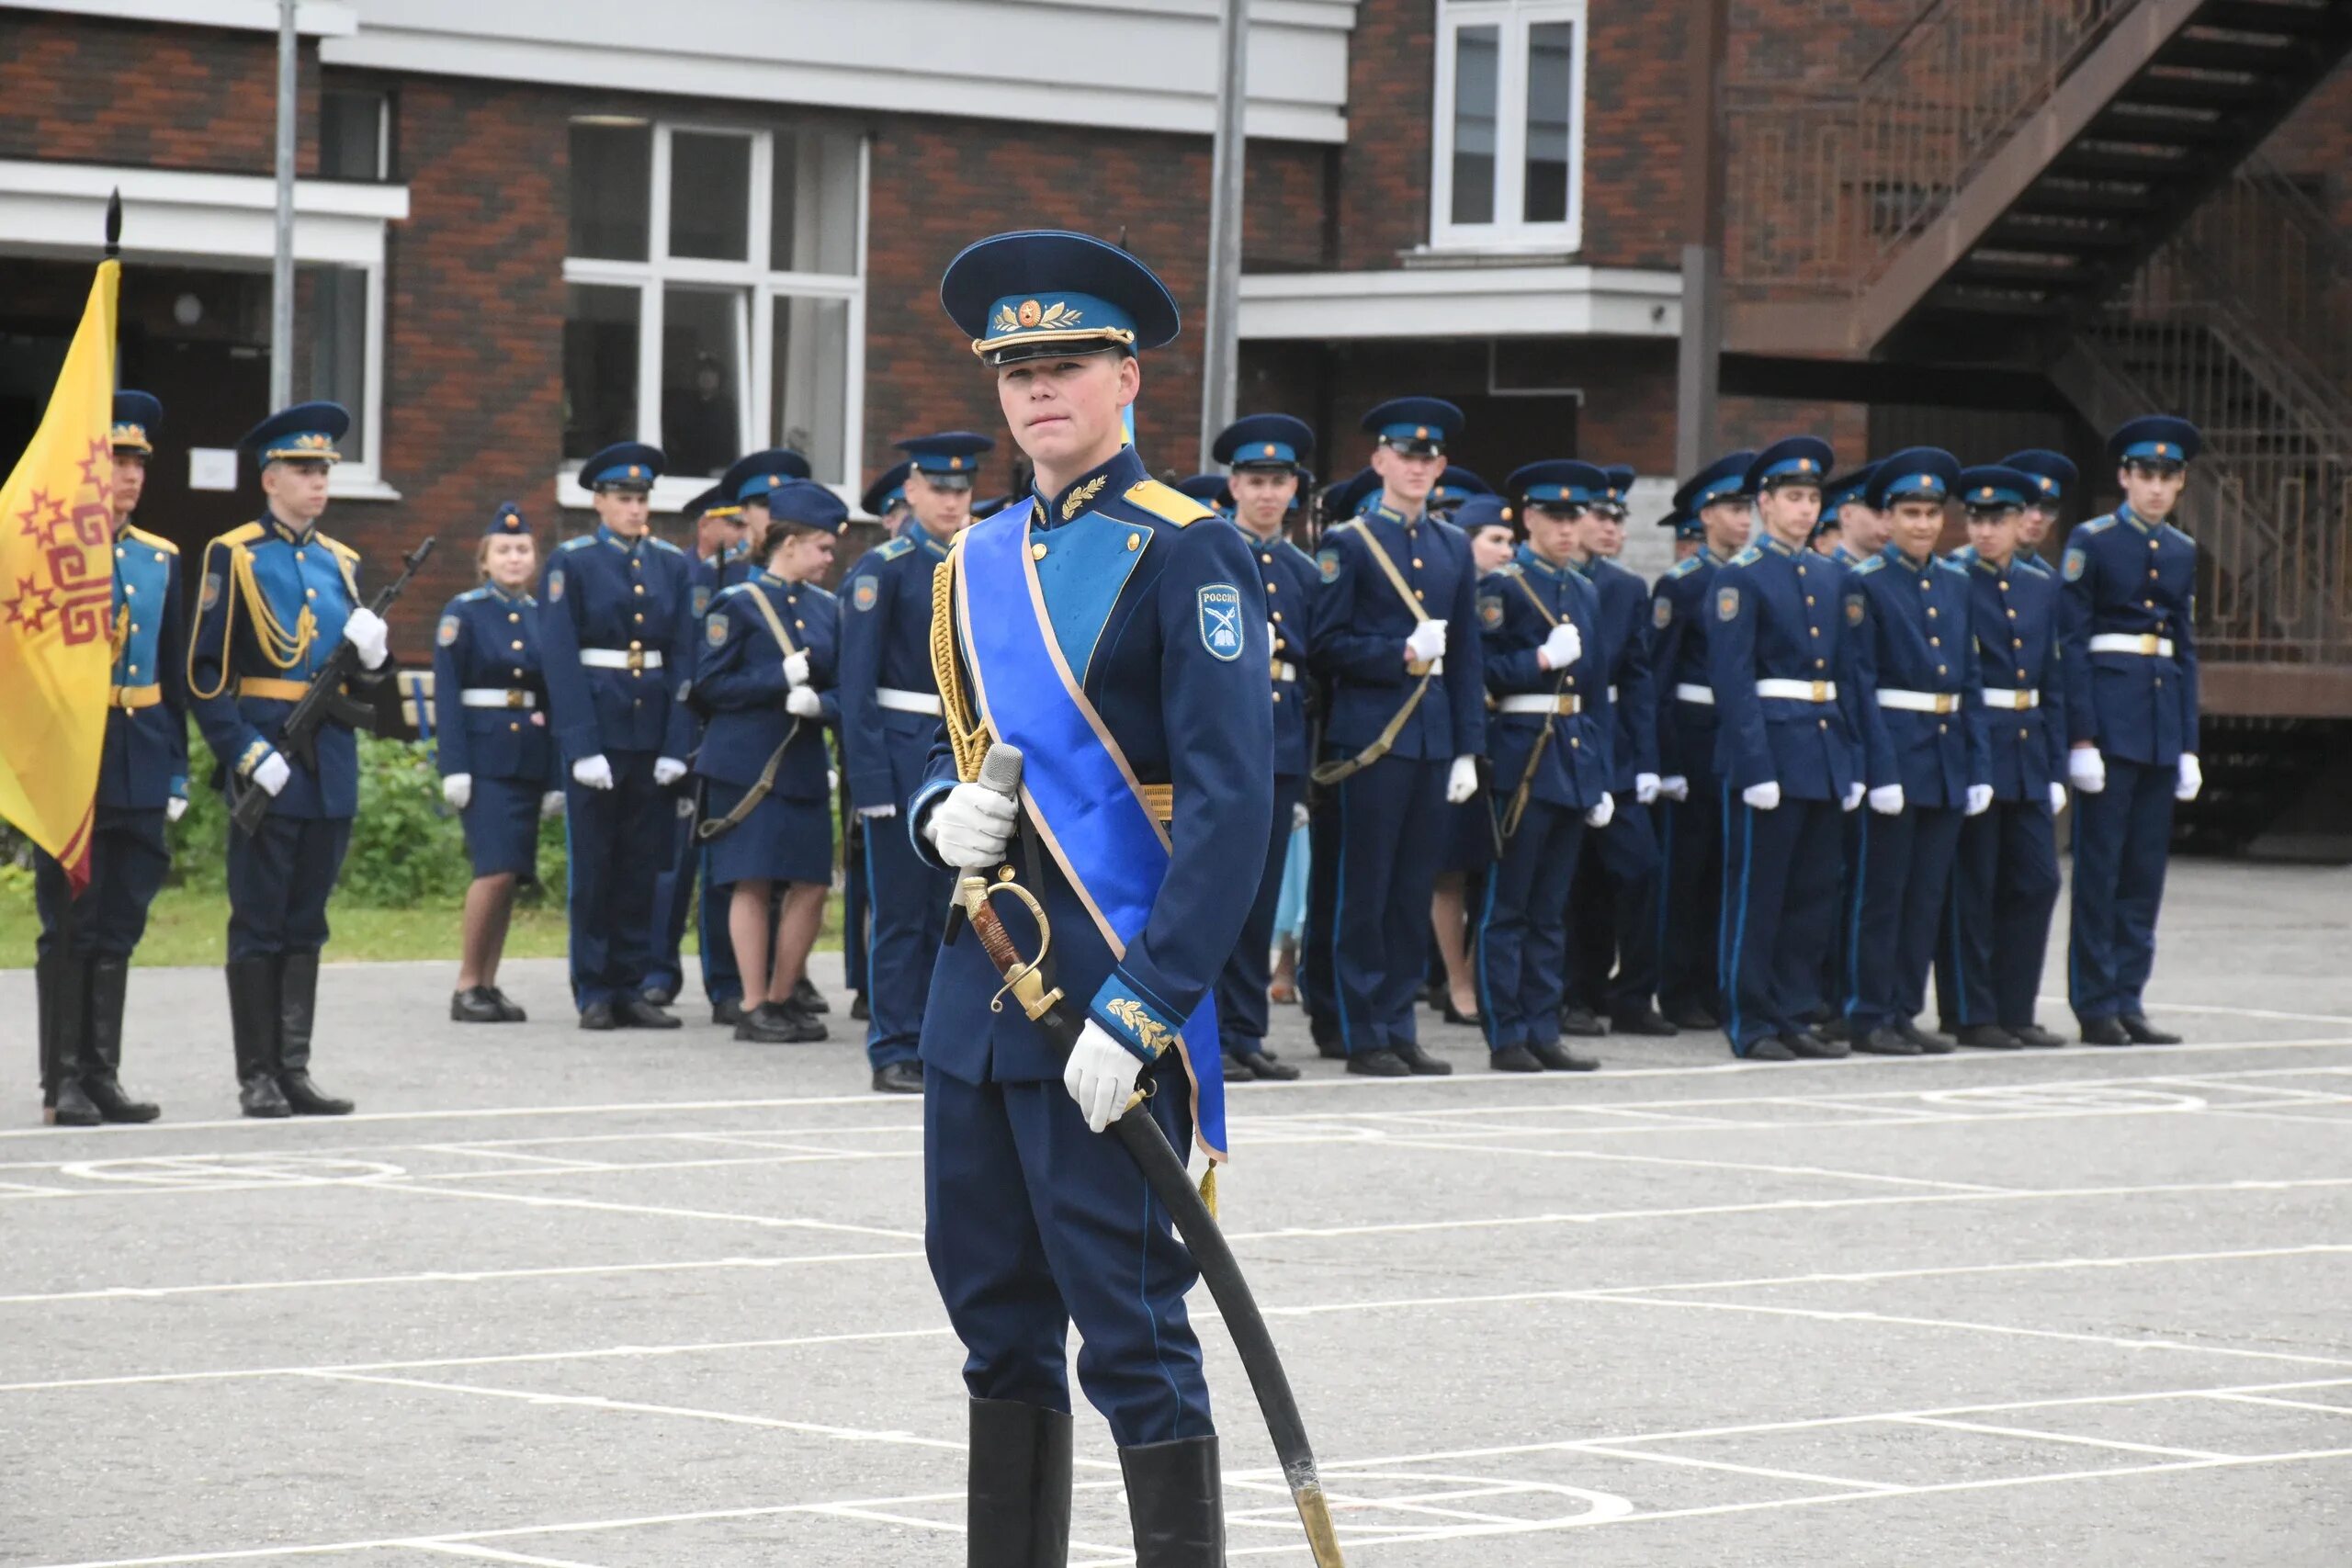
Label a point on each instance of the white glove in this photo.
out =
(551, 804)
(2087, 770)
(1980, 799)
(686, 807)
(1887, 800)
(176, 808)
(1674, 786)
(1765, 797)
(593, 771)
(1603, 814)
(971, 826)
(457, 789)
(1854, 793)
(796, 669)
(2191, 779)
(367, 632)
(271, 772)
(876, 812)
(1463, 782)
(802, 702)
(1562, 645)
(1102, 1073)
(668, 770)
(1299, 816)
(1427, 643)
(1646, 788)
(2057, 798)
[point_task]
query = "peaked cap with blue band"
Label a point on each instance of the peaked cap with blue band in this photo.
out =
(1426, 422)
(2052, 473)
(804, 503)
(507, 521)
(1560, 481)
(1264, 441)
(1209, 489)
(888, 490)
(1793, 459)
(1041, 291)
(1845, 487)
(947, 458)
(305, 432)
(1991, 485)
(753, 475)
(626, 465)
(1917, 473)
(138, 416)
(1346, 498)
(1726, 479)
(1484, 511)
(1456, 485)
(2155, 438)
(1621, 481)
(706, 503)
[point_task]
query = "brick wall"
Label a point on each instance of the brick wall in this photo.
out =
(76, 90)
(1384, 168)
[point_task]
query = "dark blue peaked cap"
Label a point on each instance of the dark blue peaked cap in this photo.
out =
(629, 464)
(1416, 422)
(1562, 481)
(1994, 484)
(1483, 512)
(1039, 291)
(138, 417)
(1207, 489)
(1458, 483)
(2155, 438)
(754, 475)
(306, 433)
(948, 453)
(804, 503)
(2053, 474)
(888, 491)
(1794, 460)
(693, 511)
(1264, 441)
(1927, 473)
(1725, 478)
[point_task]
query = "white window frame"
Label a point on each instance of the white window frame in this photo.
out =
(1511, 19)
(661, 271)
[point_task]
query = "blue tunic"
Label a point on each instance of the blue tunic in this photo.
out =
(1360, 624)
(2125, 576)
(1915, 634)
(145, 760)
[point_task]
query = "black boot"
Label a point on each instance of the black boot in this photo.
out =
(102, 1049)
(253, 1026)
(1174, 1502)
(45, 1034)
(298, 1004)
(68, 1025)
(1016, 1503)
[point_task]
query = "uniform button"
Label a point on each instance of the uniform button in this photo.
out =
(638, 589)
(2023, 735)
(1940, 670)
(2152, 574)
(310, 593)
(800, 626)
(639, 618)
(1923, 585)
(514, 726)
(1824, 722)
(298, 555)
(633, 648)
(129, 591)
(518, 647)
(1574, 742)
(1278, 614)
(518, 674)
(1264, 557)
(1270, 588)
(1814, 630)
(1808, 598)
(1821, 664)
(118, 552)
(2013, 615)
(1278, 696)
(2160, 681)
(134, 625)
(159, 555)
(1944, 729)
(512, 615)
(1419, 594)
(1037, 552)
(2004, 585)
(1935, 642)
(2017, 642)
(2022, 675)
(1571, 681)
(2148, 603)
(633, 564)
(1417, 561)
(2151, 543)
(1931, 612)
(134, 670)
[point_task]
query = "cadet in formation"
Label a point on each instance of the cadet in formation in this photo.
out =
(82, 964)
(497, 760)
(886, 500)
(1469, 836)
(277, 596)
(1123, 649)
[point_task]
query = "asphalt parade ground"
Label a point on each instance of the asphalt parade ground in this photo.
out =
(646, 1300)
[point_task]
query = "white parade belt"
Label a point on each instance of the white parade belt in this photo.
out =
(1284, 669)
(1920, 702)
(908, 702)
(1691, 692)
(2145, 643)
(497, 697)
(1531, 703)
(1798, 691)
(621, 658)
(2011, 698)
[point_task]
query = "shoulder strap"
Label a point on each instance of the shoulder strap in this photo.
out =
(1535, 598)
(1387, 567)
(775, 621)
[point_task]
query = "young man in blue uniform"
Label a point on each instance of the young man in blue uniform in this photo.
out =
(618, 624)
(1264, 453)
(2130, 620)
(2054, 478)
(82, 966)
(1118, 639)
(1916, 680)
(1537, 616)
(1784, 754)
(1691, 792)
(886, 500)
(278, 595)
(1395, 631)
(2004, 882)
(890, 708)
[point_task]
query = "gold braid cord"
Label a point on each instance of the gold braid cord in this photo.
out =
(965, 735)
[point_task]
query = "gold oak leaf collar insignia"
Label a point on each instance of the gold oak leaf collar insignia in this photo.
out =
(1078, 498)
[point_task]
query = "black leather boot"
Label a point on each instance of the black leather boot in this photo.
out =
(1174, 1501)
(102, 1050)
(69, 1057)
(45, 1034)
(253, 1026)
(1016, 1503)
(298, 1005)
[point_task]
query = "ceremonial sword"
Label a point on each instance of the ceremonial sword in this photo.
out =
(1163, 1170)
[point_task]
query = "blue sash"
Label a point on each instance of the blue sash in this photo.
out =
(1075, 782)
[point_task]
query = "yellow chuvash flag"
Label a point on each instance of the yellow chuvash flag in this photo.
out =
(57, 597)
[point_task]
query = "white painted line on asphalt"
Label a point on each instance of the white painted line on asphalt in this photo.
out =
(538, 1201)
(1658, 1456)
(492, 1554)
(2286, 1404)
(1695, 1164)
(2036, 1434)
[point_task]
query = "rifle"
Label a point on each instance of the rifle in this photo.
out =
(324, 700)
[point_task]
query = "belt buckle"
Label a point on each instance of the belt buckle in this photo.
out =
(515, 698)
(2149, 642)
(637, 662)
(1821, 691)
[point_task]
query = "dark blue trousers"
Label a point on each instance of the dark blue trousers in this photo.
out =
(279, 881)
(1612, 915)
(910, 919)
(1317, 991)
(1832, 984)
(1522, 927)
(2122, 839)
(857, 904)
(673, 896)
(128, 864)
(1690, 901)
(1996, 918)
(620, 841)
(1905, 869)
(1241, 985)
(1032, 1222)
(1779, 897)
(1391, 831)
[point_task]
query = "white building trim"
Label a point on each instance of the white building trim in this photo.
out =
(1463, 302)
(313, 19)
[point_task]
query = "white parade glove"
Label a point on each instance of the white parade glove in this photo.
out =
(1980, 799)
(176, 808)
(1765, 797)
(271, 772)
(1646, 788)
(1603, 814)
(1463, 782)
(2057, 798)
(2191, 779)
(1562, 647)
(796, 669)
(593, 771)
(457, 789)
(668, 770)
(1674, 786)
(1100, 1075)
(2087, 770)
(802, 702)
(1427, 643)
(1887, 800)
(551, 804)
(1854, 793)
(832, 780)
(1299, 816)
(971, 826)
(367, 632)
(876, 812)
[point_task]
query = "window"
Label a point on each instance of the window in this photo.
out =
(716, 296)
(354, 134)
(1508, 138)
(338, 343)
